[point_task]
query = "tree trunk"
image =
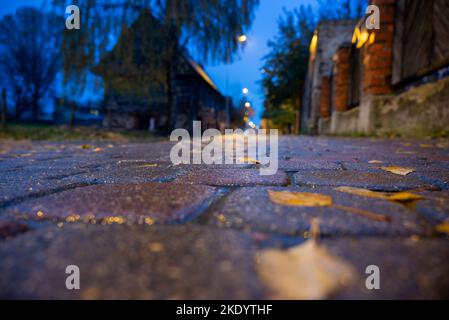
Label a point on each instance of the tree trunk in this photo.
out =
(72, 114)
(170, 98)
(3, 125)
(298, 118)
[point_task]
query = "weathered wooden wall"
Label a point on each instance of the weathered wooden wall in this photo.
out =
(421, 38)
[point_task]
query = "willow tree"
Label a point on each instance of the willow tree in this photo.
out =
(208, 28)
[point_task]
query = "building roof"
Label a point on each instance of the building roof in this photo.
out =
(201, 72)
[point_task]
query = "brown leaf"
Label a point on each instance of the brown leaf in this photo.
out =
(308, 271)
(398, 170)
(299, 199)
(375, 162)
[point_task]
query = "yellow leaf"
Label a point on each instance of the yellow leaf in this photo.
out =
(398, 197)
(86, 146)
(362, 192)
(398, 170)
(425, 145)
(405, 152)
(375, 161)
(443, 228)
(98, 149)
(305, 272)
(404, 197)
(249, 160)
(299, 199)
(150, 165)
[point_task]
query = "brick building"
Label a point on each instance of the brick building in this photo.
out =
(387, 81)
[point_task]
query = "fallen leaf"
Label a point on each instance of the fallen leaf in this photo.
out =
(397, 197)
(375, 161)
(443, 228)
(305, 272)
(86, 146)
(150, 165)
(98, 149)
(425, 145)
(407, 144)
(303, 199)
(299, 199)
(249, 160)
(404, 197)
(405, 152)
(398, 170)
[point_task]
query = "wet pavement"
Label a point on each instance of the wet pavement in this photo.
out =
(139, 227)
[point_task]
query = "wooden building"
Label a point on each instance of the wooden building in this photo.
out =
(136, 81)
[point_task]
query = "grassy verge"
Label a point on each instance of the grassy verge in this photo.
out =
(39, 132)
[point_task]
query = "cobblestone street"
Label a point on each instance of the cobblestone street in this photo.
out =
(139, 227)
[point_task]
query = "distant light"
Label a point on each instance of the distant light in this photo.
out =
(242, 38)
(314, 43)
(245, 91)
(247, 104)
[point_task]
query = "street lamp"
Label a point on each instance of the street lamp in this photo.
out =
(247, 104)
(245, 90)
(243, 38)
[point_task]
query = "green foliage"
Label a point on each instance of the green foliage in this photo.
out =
(285, 66)
(39, 132)
(209, 28)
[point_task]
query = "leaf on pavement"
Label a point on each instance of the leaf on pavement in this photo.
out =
(304, 199)
(98, 149)
(443, 228)
(404, 197)
(305, 272)
(86, 146)
(299, 199)
(398, 170)
(149, 165)
(249, 160)
(397, 197)
(375, 162)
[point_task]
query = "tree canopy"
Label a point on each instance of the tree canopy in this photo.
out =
(30, 42)
(209, 28)
(285, 66)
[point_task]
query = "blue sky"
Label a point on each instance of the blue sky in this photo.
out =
(244, 72)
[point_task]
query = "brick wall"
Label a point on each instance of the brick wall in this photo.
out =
(341, 78)
(325, 97)
(378, 56)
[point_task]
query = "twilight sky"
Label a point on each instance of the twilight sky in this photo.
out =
(244, 72)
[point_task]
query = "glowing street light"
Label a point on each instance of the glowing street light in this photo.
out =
(242, 38)
(247, 104)
(245, 90)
